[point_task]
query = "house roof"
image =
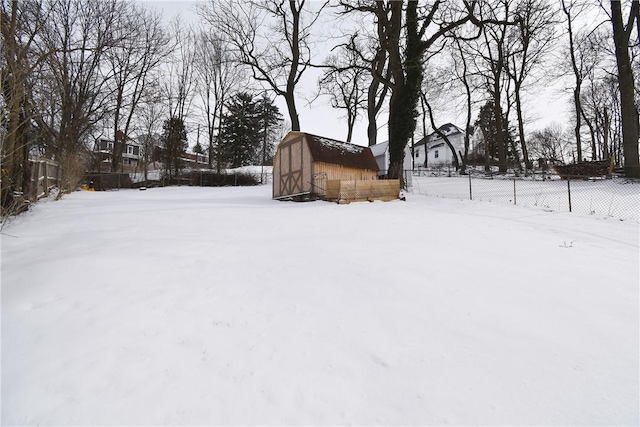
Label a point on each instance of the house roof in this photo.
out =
(379, 149)
(448, 129)
(341, 153)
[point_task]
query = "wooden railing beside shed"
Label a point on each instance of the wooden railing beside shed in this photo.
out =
(361, 191)
(45, 175)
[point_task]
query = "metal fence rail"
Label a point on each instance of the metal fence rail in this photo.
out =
(614, 197)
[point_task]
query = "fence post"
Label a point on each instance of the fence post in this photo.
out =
(470, 193)
(514, 191)
(46, 179)
(569, 191)
(35, 172)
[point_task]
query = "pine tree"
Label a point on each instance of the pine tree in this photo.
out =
(174, 139)
(270, 117)
(245, 129)
(487, 124)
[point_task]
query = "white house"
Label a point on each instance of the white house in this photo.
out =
(434, 151)
(381, 153)
(131, 154)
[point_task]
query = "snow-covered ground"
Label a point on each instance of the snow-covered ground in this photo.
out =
(202, 306)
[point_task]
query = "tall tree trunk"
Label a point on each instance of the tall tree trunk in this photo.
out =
(375, 100)
(630, 125)
(523, 145)
(442, 135)
(576, 129)
(407, 80)
(293, 71)
(605, 134)
(500, 137)
(576, 72)
(15, 150)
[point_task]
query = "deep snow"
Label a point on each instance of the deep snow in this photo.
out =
(221, 306)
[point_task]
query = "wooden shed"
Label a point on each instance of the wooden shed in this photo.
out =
(304, 163)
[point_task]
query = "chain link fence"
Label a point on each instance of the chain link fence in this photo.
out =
(614, 197)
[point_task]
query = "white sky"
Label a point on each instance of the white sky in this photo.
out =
(547, 106)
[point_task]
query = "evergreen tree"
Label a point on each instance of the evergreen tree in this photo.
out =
(270, 117)
(487, 124)
(245, 129)
(198, 148)
(174, 139)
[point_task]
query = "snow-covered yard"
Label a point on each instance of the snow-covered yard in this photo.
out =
(202, 306)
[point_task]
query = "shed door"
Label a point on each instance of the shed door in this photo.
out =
(291, 167)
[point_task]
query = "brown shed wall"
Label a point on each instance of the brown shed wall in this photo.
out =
(295, 172)
(292, 167)
(322, 172)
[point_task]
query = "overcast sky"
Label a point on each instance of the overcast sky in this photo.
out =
(546, 107)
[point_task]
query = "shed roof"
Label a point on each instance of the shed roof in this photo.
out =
(341, 153)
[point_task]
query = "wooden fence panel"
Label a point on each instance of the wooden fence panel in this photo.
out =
(360, 191)
(45, 175)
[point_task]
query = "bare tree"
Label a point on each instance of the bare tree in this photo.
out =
(142, 45)
(20, 24)
(494, 54)
(630, 126)
(550, 144)
(581, 61)
(595, 101)
(345, 83)
(377, 92)
(363, 45)
(272, 37)
(406, 34)
(180, 81)
(469, 81)
(601, 108)
(217, 77)
(80, 33)
(533, 37)
(150, 114)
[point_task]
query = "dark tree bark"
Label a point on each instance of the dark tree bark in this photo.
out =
(630, 125)
(445, 138)
(424, 27)
(20, 24)
(578, 78)
(375, 98)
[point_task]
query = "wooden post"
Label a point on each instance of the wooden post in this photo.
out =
(470, 194)
(46, 178)
(569, 191)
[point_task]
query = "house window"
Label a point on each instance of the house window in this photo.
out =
(436, 154)
(129, 149)
(417, 154)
